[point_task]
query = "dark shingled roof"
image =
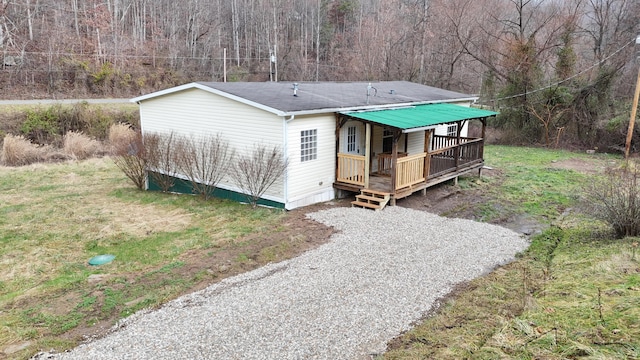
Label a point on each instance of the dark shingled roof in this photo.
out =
(334, 95)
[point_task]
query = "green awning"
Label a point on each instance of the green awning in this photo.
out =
(417, 117)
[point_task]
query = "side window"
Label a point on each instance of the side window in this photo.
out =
(452, 130)
(308, 145)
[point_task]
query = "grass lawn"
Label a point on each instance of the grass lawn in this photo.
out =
(55, 217)
(574, 294)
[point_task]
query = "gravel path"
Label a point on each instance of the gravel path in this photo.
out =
(343, 300)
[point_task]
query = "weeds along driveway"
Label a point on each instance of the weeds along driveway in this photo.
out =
(344, 300)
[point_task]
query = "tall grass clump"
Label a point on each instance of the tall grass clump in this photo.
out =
(18, 151)
(80, 146)
(121, 135)
(615, 199)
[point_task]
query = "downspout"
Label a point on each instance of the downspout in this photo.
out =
(285, 153)
(146, 173)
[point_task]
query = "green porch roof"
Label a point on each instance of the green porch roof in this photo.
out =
(420, 116)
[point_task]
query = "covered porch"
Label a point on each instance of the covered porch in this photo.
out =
(421, 146)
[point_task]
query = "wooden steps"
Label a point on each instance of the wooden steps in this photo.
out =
(371, 199)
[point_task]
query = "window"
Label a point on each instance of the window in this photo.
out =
(308, 145)
(351, 139)
(452, 130)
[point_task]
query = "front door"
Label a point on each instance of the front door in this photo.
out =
(353, 138)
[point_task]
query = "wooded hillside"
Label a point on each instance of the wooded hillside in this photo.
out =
(554, 68)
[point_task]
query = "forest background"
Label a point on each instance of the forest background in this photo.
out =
(561, 72)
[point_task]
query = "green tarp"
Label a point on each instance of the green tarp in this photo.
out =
(420, 116)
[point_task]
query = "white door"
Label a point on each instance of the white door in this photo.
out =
(353, 138)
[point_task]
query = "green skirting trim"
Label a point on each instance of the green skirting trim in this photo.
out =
(184, 187)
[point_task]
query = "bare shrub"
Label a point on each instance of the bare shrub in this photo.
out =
(162, 158)
(130, 157)
(204, 161)
(256, 172)
(18, 151)
(615, 199)
(79, 145)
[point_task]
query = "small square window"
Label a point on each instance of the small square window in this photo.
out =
(308, 145)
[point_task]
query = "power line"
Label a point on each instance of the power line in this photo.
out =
(125, 56)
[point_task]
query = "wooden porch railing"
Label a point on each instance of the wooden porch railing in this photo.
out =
(410, 170)
(350, 169)
(441, 142)
(384, 162)
(453, 157)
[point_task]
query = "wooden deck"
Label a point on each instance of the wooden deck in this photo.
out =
(414, 172)
(382, 183)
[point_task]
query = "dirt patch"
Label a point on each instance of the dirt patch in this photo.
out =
(447, 199)
(450, 200)
(580, 165)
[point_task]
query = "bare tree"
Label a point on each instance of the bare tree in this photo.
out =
(549, 112)
(204, 161)
(255, 172)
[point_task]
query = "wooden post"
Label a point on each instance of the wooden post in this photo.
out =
(394, 163)
(456, 152)
(338, 126)
(367, 154)
(484, 134)
(428, 135)
(634, 108)
(427, 158)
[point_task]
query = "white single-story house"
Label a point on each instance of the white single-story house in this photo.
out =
(384, 139)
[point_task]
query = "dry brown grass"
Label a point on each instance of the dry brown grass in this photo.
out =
(80, 208)
(18, 151)
(80, 146)
(120, 137)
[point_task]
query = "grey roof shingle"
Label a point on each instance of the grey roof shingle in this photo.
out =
(334, 95)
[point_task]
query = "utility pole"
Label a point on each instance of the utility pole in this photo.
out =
(272, 60)
(634, 105)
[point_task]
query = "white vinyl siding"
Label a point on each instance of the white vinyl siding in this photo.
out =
(415, 142)
(443, 129)
(309, 182)
(197, 113)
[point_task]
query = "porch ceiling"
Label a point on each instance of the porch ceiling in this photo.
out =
(418, 117)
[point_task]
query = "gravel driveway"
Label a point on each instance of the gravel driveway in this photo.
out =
(343, 300)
